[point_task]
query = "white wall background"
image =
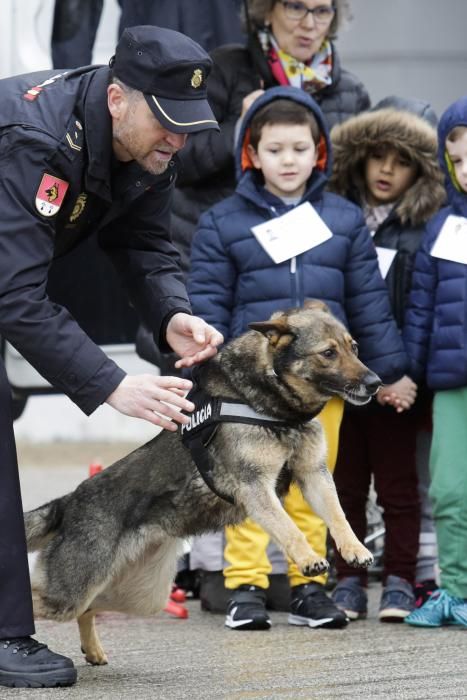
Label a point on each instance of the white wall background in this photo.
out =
(413, 48)
(56, 418)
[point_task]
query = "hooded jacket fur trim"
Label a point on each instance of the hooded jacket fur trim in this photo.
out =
(354, 140)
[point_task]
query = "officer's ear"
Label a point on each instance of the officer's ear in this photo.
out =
(117, 101)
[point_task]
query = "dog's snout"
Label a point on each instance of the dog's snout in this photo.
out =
(372, 382)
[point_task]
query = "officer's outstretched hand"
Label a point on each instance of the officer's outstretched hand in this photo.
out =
(192, 338)
(156, 399)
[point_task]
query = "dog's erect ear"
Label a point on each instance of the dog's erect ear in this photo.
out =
(316, 304)
(274, 330)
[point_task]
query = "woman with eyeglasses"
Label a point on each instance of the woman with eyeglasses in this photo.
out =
(290, 42)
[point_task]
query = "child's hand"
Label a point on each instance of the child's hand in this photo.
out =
(401, 395)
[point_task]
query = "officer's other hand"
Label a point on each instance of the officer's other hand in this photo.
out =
(156, 399)
(192, 338)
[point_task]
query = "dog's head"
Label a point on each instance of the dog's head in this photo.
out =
(313, 355)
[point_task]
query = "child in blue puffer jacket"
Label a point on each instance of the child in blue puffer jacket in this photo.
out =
(283, 162)
(436, 339)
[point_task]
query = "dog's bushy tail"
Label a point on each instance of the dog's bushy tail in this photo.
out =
(41, 522)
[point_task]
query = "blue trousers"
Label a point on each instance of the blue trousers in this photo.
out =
(74, 32)
(209, 22)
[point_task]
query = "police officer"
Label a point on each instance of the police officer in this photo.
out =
(91, 152)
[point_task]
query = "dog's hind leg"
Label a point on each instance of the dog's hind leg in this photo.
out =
(90, 642)
(39, 606)
(263, 506)
(40, 603)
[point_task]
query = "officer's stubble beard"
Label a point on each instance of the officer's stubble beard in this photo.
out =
(128, 137)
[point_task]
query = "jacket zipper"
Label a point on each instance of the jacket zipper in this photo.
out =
(293, 271)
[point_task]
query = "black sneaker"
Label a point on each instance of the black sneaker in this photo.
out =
(25, 663)
(246, 609)
(312, 607)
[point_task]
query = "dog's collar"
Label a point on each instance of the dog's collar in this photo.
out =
(209, 412)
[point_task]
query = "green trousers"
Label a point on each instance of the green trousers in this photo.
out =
(448, 490)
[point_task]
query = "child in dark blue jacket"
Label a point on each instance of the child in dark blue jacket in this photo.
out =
(284, 161)
(385, 161)
(436, 340)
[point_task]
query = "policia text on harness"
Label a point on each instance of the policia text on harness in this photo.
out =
(209, 412)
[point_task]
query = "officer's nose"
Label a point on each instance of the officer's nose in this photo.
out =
(176, 141)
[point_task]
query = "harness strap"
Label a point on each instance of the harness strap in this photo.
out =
(199, 454)
(209, 412)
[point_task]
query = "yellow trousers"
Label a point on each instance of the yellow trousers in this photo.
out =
(246, 546)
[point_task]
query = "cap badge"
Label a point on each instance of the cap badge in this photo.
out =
(197, 78)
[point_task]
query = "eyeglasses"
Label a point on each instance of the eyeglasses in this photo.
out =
(298, 11)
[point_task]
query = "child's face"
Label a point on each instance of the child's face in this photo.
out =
(387, 176)
(286, 155)
(457, 152)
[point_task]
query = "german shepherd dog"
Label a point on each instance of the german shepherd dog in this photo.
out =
(113, 543)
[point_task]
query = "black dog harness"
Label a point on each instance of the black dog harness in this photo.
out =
(209, 412)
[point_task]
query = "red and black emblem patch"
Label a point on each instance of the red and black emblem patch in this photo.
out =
(50, 195)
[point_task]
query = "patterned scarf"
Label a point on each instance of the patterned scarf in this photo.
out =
(374, 216)
(311, 77)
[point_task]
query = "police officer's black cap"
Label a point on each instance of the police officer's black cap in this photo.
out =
(171, 70)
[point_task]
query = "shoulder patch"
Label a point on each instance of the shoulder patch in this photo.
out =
(33, 93)
(74, 135)
(50, 195)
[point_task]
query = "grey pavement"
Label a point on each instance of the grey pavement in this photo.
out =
(170, 659)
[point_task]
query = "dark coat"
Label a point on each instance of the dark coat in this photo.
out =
(207, 161)
(402, 124)
(210, 23)
(436, 322)
(233, 281)
(62, 129)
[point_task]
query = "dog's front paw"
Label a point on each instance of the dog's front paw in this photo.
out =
(356, 555)
(313, 566)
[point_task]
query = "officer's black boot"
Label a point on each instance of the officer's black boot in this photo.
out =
(25, 663)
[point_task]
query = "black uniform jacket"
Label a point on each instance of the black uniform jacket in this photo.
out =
(59, 183)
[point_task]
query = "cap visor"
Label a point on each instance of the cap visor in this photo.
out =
(182, 116)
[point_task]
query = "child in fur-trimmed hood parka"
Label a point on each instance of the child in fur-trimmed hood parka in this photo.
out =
(385, 160)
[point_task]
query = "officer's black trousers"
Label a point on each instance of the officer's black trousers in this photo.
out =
(16, 618)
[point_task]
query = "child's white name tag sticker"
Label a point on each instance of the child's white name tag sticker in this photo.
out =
(385, 259)
(451, 243)
(293, 233)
